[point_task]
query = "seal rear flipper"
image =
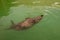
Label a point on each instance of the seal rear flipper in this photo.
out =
(12, 25)
(12, 22)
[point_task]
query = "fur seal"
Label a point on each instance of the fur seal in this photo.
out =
(27, 23)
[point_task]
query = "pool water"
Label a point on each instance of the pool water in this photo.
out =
(17, 10)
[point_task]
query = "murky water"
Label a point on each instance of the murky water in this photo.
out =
(47, 29)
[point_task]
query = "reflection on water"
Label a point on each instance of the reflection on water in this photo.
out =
(6, 4)
(4, 7)
(56, 4)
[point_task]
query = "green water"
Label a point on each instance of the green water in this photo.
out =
(17, 10)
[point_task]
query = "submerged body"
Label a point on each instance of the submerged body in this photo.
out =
(27, 23)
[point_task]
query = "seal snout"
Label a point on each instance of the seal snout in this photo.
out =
(41, 15)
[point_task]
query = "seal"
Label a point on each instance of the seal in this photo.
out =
(27, 23)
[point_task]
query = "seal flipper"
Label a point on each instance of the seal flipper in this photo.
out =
(13, 25)
(12, 22)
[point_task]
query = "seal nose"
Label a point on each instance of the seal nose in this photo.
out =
(41, 15)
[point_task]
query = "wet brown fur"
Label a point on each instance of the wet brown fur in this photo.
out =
(27, 23)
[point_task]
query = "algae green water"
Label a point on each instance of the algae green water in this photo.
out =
(17, 10)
